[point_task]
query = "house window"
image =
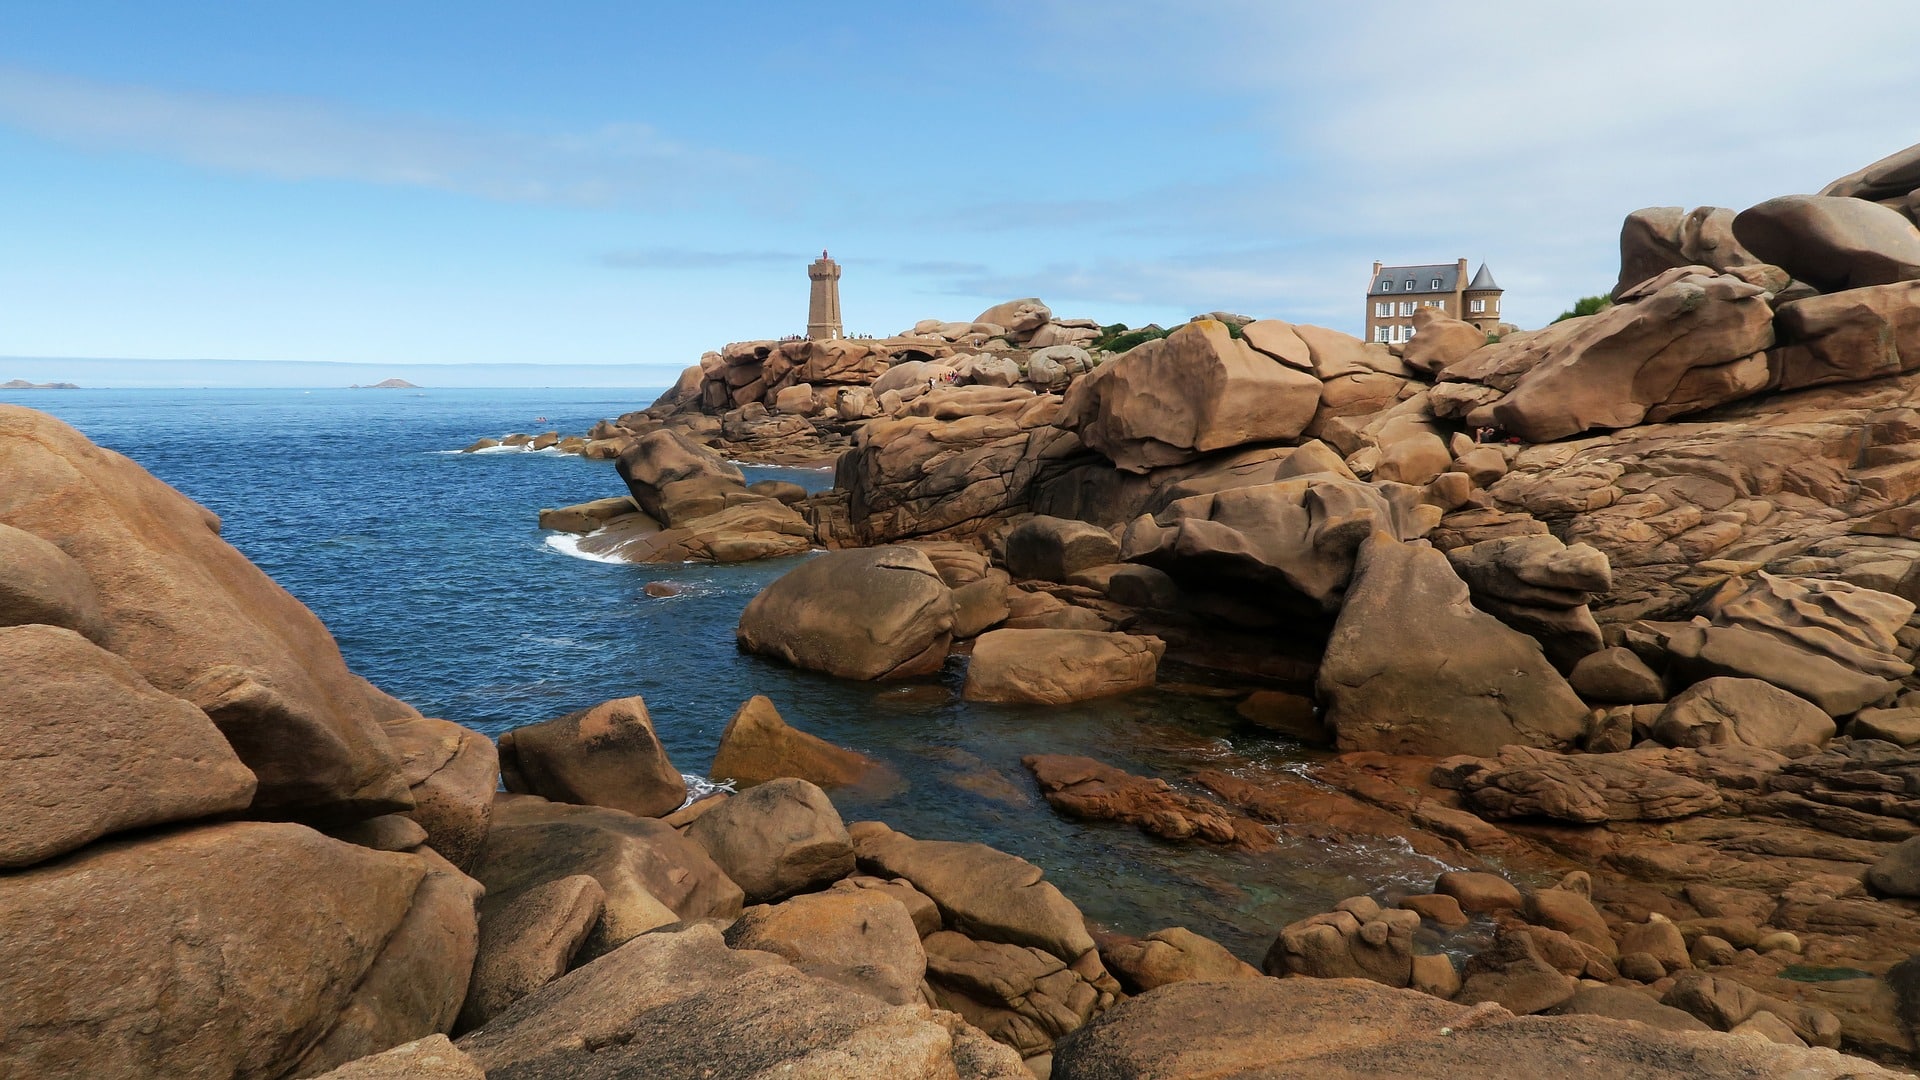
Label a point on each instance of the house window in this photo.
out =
(1406, 307)
(1476, 306)
(1381, 309)
(1432, 303)
(1380, 333)
(1386, 286)
(1436, 284)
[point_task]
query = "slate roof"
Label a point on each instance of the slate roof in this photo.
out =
(1421, 276)
(1483, 281)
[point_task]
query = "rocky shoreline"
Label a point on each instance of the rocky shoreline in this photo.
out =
(1645, 673)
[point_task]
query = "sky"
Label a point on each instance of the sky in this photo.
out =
(630, 184)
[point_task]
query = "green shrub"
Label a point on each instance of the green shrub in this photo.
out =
(1586, 305)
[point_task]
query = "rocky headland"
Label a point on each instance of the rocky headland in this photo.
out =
(1642, 666)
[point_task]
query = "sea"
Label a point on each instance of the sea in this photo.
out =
(431, 570)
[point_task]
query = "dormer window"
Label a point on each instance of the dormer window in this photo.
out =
(1436, 284)
(1386, 286)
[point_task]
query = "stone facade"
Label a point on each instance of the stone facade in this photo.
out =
(823, 304)
(1394, 293)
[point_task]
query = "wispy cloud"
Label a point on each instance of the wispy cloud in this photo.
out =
(1515, 131)
(692, 259)
(297, 139)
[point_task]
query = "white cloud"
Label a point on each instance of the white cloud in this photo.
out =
(1509, 130)
(296, 139)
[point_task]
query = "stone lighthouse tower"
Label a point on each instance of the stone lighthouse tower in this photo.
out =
(823, 305)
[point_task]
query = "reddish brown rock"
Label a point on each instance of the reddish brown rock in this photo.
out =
(860, 938)
(42, 584)
(1084, 788)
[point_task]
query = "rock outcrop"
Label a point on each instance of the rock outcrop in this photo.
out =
(1413, 667)
(1196, 391)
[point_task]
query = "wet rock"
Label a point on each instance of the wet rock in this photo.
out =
(1292, 715)
(873, 613)
(758, 746)
(1057, 667)
(1748, 712)
(91, 748)
(860, 938)
(604, 756)
(1173, 955)
(1198, 390)
(1413, 667)
(777, 839)
(682, 1006)
(1438, 908)
(1478, 891)
(1090, 790)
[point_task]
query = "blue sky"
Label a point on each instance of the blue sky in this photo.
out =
(632, 183)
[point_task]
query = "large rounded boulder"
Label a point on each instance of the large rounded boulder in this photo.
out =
(1186, 395)
(869, 613)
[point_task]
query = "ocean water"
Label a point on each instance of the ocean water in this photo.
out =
(431, 571)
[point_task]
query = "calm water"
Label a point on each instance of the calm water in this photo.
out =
(431, 571)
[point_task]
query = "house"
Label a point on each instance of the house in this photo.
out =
(1396, 292)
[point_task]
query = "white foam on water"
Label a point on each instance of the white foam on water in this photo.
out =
(699, 787)
(569, 544)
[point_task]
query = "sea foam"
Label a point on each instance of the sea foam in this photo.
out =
(569, 544)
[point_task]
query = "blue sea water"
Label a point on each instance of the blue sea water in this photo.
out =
(432, 573)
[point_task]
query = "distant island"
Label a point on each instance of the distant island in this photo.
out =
(386, 384)
(22, 384)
